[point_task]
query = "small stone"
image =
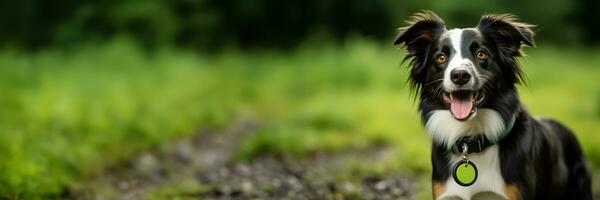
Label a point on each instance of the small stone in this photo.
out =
(184, 151)
(146, 163)
(224, 172)
(276, 183)
(247, 187)
(347, 187)
(225, 189)
(381, 185)
(396, 191)
(123, 185)
(244, 170)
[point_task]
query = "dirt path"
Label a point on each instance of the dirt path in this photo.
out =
(200, 167)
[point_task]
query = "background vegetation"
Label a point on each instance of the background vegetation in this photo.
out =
(212, 24)
(87, 84)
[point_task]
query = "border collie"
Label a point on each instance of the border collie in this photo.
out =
(485, 143)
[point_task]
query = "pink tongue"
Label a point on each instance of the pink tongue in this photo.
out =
(461, 108)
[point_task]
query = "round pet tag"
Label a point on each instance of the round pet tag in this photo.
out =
(465, 173)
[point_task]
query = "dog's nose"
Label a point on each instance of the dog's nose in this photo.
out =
(460, 76)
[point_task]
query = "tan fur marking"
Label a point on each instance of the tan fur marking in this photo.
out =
(438, 189)
(512, 192)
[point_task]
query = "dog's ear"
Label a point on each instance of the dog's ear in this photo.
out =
(417, 38)
(507, 32)
(422, 29)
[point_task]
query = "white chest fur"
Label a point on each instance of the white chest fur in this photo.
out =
(445, 130)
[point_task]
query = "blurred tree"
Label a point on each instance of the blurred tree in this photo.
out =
(588, 20)
(30, 23)
(211, 24)
(284, 23)
(200, 24)
(551, 17)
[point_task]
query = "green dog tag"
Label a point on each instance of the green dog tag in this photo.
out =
(465, 173)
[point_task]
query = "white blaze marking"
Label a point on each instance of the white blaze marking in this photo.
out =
(457, 61)
(455, 39)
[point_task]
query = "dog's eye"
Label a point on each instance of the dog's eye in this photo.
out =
(481, 55)
(441, 59)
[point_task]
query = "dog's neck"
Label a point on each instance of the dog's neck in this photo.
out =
(478, 143)
(445, 130)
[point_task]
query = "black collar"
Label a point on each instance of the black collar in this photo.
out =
(475, 144)
(478, 143)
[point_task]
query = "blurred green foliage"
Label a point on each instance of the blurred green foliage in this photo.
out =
(213, 24)
(68, 114)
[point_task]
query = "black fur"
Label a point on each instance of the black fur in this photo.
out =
(540, 156)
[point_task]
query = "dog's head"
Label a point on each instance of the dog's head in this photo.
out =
(460, 69)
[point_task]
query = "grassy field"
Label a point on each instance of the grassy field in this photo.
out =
(68, 114)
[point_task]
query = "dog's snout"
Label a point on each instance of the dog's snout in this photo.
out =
(460, 76)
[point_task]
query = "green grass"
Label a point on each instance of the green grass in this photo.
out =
(67, 114)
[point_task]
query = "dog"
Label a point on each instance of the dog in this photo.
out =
(485, 145)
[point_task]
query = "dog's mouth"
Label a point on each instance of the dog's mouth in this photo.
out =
(463, 103)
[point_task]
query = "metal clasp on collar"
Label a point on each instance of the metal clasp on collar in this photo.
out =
(465, 152)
